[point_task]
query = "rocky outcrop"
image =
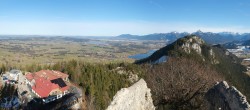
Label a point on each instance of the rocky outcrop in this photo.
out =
(212, 56)
(224, 97)
(132, 77)
(193, 43)
(186, 46)
(136, 97)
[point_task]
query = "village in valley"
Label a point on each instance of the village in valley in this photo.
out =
(44, 89)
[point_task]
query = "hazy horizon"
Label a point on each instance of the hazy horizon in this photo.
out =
(113, 18)
(44, 35)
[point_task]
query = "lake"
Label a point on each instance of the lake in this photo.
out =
(145, 55)
(142, 55)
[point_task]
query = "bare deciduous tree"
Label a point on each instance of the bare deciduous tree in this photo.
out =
(180, 83)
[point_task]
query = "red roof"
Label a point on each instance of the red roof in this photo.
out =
(48, 74)
(29, 76)
(43, 85)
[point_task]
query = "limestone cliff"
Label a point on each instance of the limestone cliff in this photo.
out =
(136, 97)
(224, 97)
(192, 43)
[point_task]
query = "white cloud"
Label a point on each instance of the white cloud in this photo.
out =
(107, 28)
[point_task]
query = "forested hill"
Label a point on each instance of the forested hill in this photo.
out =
(193, 47)
(183, 46)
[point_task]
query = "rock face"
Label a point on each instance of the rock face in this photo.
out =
(193, 43)
(132, 77)
(224, 97)
(213, 58)
(136, 97)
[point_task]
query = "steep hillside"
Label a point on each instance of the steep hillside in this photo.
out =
(189, 46)
(193, 47)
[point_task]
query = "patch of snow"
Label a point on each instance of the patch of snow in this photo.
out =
(160, 60)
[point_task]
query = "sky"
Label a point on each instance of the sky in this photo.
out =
(115, 17)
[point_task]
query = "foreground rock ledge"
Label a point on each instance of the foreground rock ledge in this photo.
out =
(224, 97)
(135, 97)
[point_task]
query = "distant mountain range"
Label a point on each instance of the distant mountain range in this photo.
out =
(172, 36)
(209, 37)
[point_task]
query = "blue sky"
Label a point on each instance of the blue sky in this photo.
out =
(114, 17)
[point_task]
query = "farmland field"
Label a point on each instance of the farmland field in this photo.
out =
(21, 51)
